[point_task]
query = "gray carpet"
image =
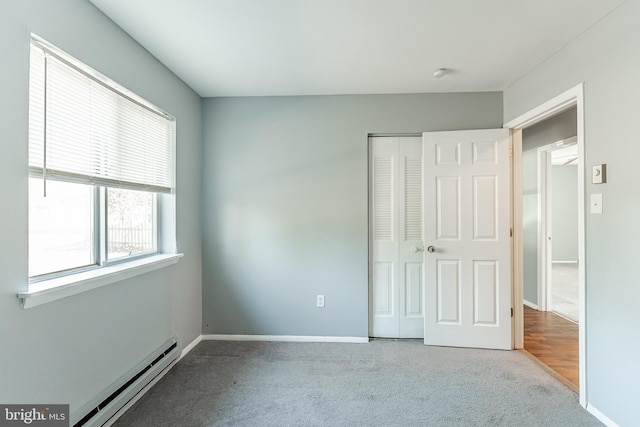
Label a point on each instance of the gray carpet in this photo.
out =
(382, 383)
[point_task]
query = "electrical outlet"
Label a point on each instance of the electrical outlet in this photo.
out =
(320, 301)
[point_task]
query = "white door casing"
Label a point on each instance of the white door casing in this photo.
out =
(467, 222)
(558, 104)
(396, 257)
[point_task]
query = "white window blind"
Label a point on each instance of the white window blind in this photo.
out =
(85, 129)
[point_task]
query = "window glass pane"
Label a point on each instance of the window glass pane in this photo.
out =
(60, 227)
(130, 223)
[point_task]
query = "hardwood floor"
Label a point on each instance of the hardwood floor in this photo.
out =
(553, 340)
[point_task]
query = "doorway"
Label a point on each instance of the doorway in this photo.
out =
(550, 211)
(571, 100)
(558, 230)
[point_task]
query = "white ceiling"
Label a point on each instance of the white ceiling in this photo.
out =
(309, 47)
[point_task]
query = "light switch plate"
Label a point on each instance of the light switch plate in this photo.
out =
(599, 174)
(596, 203)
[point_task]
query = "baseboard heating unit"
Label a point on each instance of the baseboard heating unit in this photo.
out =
(101, 409)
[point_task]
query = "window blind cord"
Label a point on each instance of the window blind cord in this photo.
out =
(44, 156)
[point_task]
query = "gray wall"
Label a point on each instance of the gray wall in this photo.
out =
(606, 59)
(530, 226)
(565, 213)
(285, 213)
(556, 128)
(69, 350)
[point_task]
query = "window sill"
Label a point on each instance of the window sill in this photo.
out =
(62, 287)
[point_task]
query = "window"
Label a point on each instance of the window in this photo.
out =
(101, 169)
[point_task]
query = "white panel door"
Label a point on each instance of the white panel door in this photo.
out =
(467, 233)
(396, 258)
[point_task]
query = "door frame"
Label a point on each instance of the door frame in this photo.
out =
(545, 214)
(568, 99)
(545, 218)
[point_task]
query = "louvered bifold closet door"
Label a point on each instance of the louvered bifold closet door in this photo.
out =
(410, 247)
(396, 262)
(383, 235)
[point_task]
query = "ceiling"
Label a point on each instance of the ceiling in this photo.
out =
(322, 47)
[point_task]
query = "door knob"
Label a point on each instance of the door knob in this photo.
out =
(416, 249)
(431, 249)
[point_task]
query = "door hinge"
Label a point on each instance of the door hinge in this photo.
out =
(511, 232)
(511, 311)
(510, 152)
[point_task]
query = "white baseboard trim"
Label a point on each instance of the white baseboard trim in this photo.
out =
(530, 304)
(601, 417)
(190, 347)
(283, 338)
(564, 262)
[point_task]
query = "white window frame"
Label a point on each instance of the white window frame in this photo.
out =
(54, 286)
